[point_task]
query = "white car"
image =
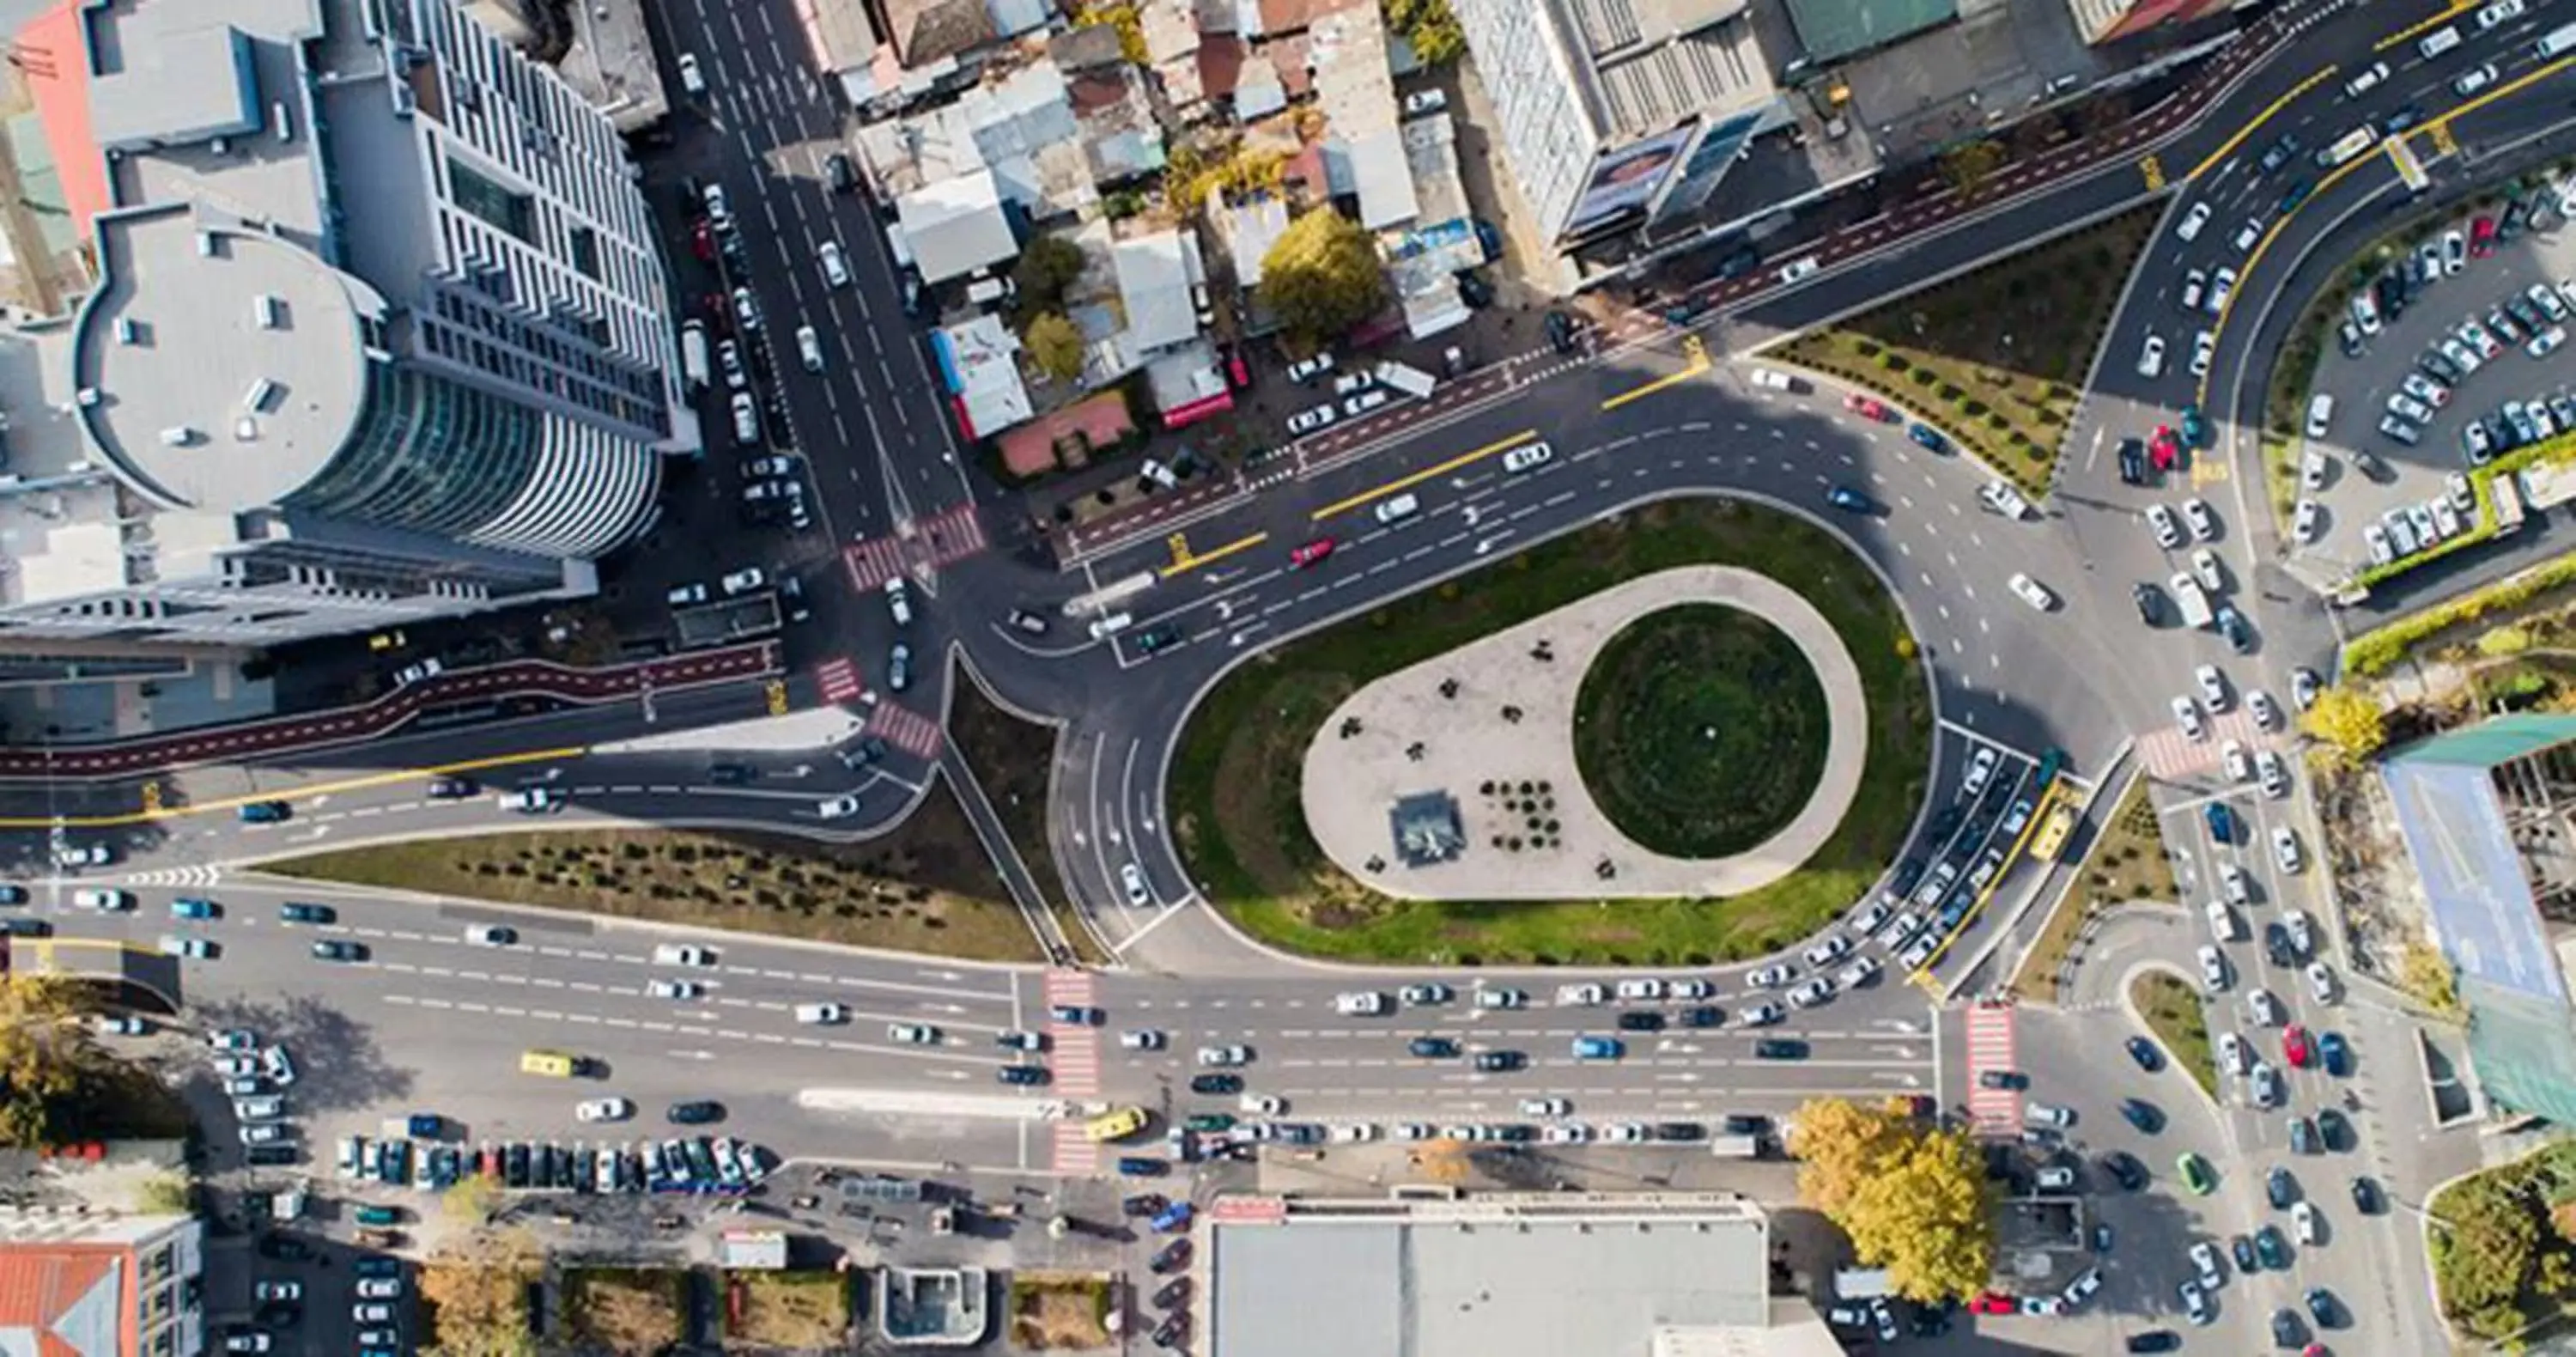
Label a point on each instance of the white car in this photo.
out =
(1771, 379)
(2267, 1085)
(2204, 1260)
(1224, 1057)
(2189, 227)
(1546, 1107)
(1411, 1130)
(2204, 348)
(2231, 1053)
(1772, 976)
(823, 1014)
(836, 270)
(2303, 1218)
(1581, 996)
(1829, 949)
(2168, 532)
(490, 935)
(2213, 686)
(2266, 1009)
(2307, 520)
(604, 1109)
(1309, 420)
(1623, 1133)
(1364, 402)
(1643, 990)
(1360, 1003)
(1143, 1039)
(2247, 234)
(2304, 687)
(674, 989)
(1858, 973)
(1305, 370)
(2195, 285)
(2285, 849)
(912, 1033)
(2222, 922)
(1131, 879)
(1527, 457)
(2259, 702)
(2204, 525)
(837, 808)
(745, 580)
(1501, 998)
(1693, 989)
(1981, 768)
(2222, 286)
(2232, 757)
(1918, 954)
(1813, 992)
(2213, 969)
(195, 949)
(2321, 982)
(683, 954)
(809, 348)
(1865, 921)
(2205, 568)
(1565, 1133)
(1265, 1104)
(2196, 1305)
(2151, 357)
(1425, 101)
(2296, 921)
(2186, 716)
(2232, 882)
(2033, 592)
(103, 898)
(2047, 1114)
(2274, 776)
(2082, 1288)
(1349, 1132)
(1762, 1015)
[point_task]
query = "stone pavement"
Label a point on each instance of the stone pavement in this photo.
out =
(1412, 738)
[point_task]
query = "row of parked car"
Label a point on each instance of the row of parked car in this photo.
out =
(699, 1164)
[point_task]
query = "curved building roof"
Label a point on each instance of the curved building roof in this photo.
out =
(218, 368)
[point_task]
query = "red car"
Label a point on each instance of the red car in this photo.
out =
(2294, 1045)
(1994, 1303)
(2482, 238)
(1869, 406)
(702, 242)
(1310, 553)
(2164, 449)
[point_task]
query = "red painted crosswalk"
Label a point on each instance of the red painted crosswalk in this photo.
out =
(1997, 1111)
(874, 561)
(905, 728)
(840, 681)
(1075, 1057)
(952, 534)
(2169, 755)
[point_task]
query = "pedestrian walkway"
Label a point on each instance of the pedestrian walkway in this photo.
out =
(1996, 1111)
(1076, 1156)
(952, 534)
(840, 681)
(905, 729)
(1076, 1045)
(874, 561)
(2168, 755)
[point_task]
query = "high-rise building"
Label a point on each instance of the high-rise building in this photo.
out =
(82, 1285)
(379, 331)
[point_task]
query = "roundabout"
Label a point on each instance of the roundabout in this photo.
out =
(1463, 777)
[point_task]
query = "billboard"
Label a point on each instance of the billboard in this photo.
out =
(2473, 878)
(1627, 178)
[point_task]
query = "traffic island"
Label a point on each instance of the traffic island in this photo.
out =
(1241, 818)
(2171, 1009)
(1697, 732)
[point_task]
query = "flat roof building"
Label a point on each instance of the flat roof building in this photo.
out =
(1509, 1275)
(379, 332)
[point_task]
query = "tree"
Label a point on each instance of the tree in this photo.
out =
(1048, 266)
(1322, 275)
(1054, 345)
(477, 1292)
(1927, 1216)
(1968, 166)
(2349, 722)
(168, 1194)
(1430, 26)
(1839, 1144)
(46, 1053)
(471, 1200)
(2486, 1242)
(2424, 972)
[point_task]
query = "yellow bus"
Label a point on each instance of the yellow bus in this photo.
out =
(552, 1064)
(2051, 839)
(1117, 1122)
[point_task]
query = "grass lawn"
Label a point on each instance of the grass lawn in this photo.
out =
(2173, 1012)
(2128, 862)
(1240, 825)
(1700, 730)
(1060, 1310)
(925, 887)
(804, 1311)
(1995, 358)
(637, 1311)
(1015, 760)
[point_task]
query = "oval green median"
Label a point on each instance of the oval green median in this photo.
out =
(1700, 730)
(1238, 820)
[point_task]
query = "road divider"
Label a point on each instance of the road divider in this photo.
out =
(1407, 482)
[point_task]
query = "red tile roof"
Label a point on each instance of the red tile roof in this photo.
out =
(39, 1283)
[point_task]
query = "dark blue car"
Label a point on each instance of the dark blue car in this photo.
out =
(2222, 821)
(2336, 1056)
(1928, 436)
(1844, 497)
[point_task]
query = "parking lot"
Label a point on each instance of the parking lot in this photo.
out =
(2447, 361)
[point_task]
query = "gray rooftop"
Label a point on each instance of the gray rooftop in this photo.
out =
(220, 367)
(1506, 1277)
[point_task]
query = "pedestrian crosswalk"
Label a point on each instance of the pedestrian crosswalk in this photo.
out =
(1076, 1045)
(1075, 1155)
(952, 534)
(839, 680)
(2169, 755)
(1996, 1111)
(905, 728)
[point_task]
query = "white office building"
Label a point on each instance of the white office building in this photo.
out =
(1616, 113)
(380, 332)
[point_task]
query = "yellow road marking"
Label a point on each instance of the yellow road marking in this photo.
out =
(1179, 542)
(154, 811)
(1696, 354)
(2455, 10)
(777, 693)
(2520, 82)
(2245, 276)
(2154, 169)
(2247, 130)
(1417, 478)
(2020, 841)
(1183, 562)
(2443, 141)
(2207, 470)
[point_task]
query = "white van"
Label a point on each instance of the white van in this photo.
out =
(1398, 509)
(2438, 41)
(2320, 411)
(693, 353)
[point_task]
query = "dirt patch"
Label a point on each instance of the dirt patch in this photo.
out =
(804, 1311)
(627, 1311)
(1014, 759)
(1060, 1311)
(925, 886)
